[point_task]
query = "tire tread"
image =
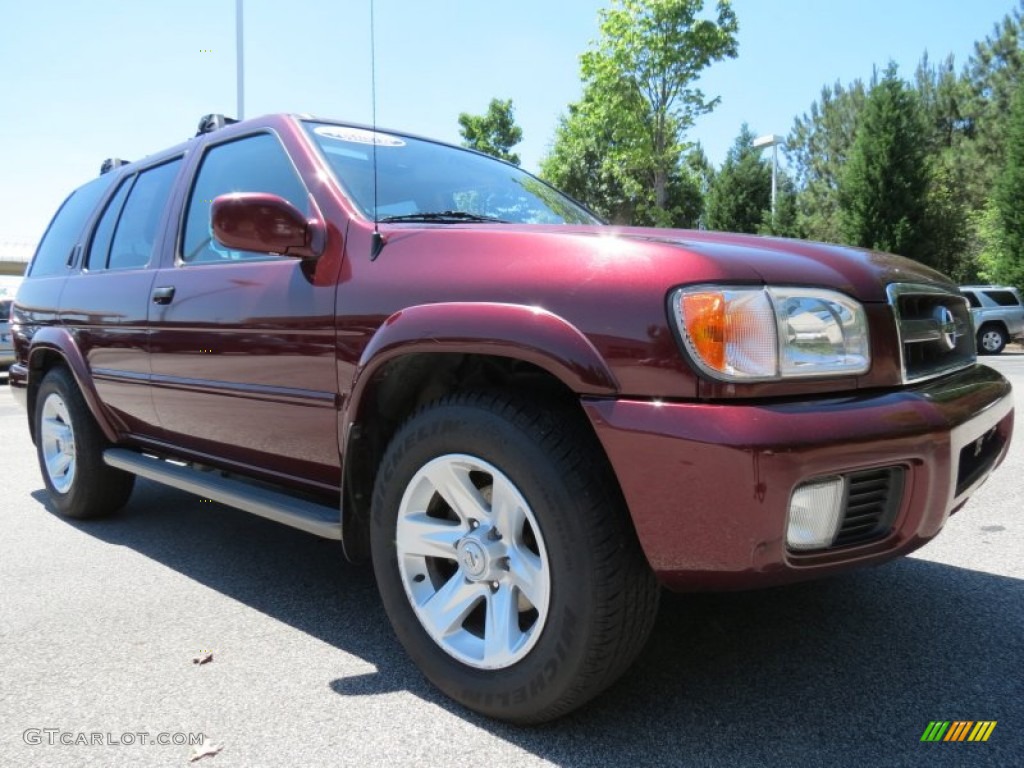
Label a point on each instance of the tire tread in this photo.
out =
(98, 489)
(622, 624)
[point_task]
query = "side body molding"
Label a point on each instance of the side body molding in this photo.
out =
(58, 340)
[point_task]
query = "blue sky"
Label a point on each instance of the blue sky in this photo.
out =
(83, 81)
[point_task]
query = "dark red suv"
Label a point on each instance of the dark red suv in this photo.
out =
(528, 420)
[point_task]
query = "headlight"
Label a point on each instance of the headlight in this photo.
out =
(761, 334)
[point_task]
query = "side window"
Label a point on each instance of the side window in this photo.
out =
(137, 229)
(971, 298)
(253, 164)
(1003, 298)
(99, 248)
(62, 235)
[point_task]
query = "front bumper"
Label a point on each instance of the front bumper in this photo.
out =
(708, 485)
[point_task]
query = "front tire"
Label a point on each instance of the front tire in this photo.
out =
(991, 340)
(69, 445)
(506, 559)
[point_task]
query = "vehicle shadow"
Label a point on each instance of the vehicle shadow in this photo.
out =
(846, 670)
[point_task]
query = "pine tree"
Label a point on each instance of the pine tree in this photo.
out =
(1008, 199)
(992, 75)
(884, 186)
(741, 191)
(817, 148)
(944, 98)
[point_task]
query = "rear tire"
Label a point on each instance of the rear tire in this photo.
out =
(506, 559)
(69, 445)
(991, 340)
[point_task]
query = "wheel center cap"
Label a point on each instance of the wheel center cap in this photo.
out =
(479, 555)
(473, 558)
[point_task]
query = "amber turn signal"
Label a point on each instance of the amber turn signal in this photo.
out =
(704, 320)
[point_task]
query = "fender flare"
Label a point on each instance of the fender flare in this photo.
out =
(530, 334)
(59, 340)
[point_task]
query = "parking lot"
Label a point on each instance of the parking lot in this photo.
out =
(100, 621)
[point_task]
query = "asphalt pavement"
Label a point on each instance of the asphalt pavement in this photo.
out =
(100, 623)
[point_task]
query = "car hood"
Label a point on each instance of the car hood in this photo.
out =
(649, 258)
(858, 272)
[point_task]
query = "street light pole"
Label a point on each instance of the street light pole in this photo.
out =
(773, 141)
(239, 68)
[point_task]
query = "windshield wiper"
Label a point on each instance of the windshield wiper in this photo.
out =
(441, 217)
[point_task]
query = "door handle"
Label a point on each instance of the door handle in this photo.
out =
(163, 295)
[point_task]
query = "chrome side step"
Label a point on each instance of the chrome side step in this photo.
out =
(308, 516)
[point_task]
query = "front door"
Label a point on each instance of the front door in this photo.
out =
(243, 344)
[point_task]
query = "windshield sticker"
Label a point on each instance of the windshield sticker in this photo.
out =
(358, 135)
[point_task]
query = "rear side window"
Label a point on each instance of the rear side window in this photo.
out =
(971, 298)
(99, 248)
(139, 225)
(1003, 298)
(252, 164)
(62, 235)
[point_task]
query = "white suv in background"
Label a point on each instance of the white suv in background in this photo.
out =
(998, 315)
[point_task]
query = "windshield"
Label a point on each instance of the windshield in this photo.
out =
(419, 180)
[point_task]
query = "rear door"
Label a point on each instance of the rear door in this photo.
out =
(1007, 307)
(243, 344)
(107, 301)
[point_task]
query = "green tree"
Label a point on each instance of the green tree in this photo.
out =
(816, 150)
(740, 194)
(621, 147)
(495, 132)
(702, 173)
(1004, 259)
(786, 222)
(945, 101)
(992, 74)
(948, 235)
(882, 196)
(579, 163)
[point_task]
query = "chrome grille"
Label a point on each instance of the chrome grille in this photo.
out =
(936, 335)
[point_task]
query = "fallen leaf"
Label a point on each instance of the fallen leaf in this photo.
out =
(206, 750)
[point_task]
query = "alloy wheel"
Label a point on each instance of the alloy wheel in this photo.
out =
(57, 437)
(472, 561)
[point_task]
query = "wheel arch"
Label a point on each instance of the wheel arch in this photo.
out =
(54, 346)
(999, 323)
(426, 352)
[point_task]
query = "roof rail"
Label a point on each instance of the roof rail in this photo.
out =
(111, 163)
(211, 123)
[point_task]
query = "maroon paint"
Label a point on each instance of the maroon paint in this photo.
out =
(263, 222)
(248, 353)
(709, 485)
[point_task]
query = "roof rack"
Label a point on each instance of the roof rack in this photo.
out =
(111, 163)
(211, 123)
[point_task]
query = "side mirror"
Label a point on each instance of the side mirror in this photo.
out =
(265, 223)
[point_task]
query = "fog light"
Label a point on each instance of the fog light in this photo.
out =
(814, 513)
